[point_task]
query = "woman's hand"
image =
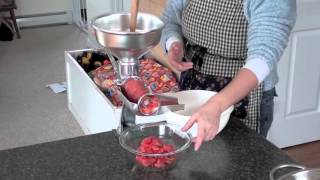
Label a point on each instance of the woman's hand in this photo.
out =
(175, 55)
(207, 118)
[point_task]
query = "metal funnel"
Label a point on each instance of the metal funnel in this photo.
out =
(113, 32)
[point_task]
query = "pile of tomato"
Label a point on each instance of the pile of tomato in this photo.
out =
(157, 78)
(153, 145)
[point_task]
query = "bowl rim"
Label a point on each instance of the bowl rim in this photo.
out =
(225, 112)
(228, 111)
(134, 151)
(95, 26)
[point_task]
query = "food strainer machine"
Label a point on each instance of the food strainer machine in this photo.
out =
(113, 33)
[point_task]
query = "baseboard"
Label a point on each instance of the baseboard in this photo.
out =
(47, 19)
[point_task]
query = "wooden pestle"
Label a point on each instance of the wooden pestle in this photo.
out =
(134, 13)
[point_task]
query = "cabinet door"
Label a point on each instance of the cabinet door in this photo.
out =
(297, 107)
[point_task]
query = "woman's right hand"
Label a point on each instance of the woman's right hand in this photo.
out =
(175, 55)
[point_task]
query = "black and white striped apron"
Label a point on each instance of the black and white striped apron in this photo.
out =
(216, 36)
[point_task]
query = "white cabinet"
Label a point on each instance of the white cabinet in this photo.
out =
(297, 108)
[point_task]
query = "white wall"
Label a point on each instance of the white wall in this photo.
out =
(98, 7)
(27, 7)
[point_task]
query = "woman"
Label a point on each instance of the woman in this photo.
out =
(232, 47)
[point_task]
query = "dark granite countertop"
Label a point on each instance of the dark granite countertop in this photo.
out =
(236, 153)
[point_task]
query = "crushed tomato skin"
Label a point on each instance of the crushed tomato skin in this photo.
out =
(149, 106)
(154, 145)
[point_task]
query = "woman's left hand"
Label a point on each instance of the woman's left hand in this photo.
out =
(207, 118)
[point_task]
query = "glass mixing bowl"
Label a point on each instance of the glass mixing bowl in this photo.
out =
(155, 146)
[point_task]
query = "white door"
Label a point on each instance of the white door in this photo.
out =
(297, 107)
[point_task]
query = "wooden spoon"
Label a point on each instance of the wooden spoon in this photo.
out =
(134, 13)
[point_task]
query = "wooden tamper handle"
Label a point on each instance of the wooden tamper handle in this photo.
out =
(134, 13)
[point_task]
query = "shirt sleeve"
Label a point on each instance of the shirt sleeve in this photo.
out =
(259, 67)
(270, 25)
(170, 41)
(171, 17)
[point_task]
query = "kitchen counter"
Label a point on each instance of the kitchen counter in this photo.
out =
(236, 153)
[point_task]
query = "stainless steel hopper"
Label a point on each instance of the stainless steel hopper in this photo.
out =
(113, 32)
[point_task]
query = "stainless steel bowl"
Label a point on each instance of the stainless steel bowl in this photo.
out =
(300, 173)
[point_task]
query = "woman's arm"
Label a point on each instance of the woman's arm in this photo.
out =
(270, 25)
(172, 17)
(208, 116)
(171, 39)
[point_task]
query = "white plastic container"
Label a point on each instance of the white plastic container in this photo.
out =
(90, 107)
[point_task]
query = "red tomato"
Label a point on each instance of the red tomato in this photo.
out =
(148, 140)
(146, 161)
(149, 105)
(168, 148)
(107, 61)
(134, 89)
(154, 145)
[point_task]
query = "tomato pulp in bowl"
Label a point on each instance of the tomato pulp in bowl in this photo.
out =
(155, 146)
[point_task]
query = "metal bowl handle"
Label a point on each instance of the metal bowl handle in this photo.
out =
(277, 168)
